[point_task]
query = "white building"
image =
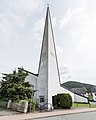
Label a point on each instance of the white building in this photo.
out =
(47, 81)
(94, 96)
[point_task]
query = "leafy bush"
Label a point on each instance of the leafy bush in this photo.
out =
(3, 103)
(63, 101)
(58, 100)
(31, 105)
(14, 87)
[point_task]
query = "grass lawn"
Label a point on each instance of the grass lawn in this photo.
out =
(77, 105)
(93, 106)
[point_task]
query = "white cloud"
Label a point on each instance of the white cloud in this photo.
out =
(71, 14)
(82, 28)
(54, 22)
(5, 28)
(16, 31)
(21, 7)
(65, 74)
(21, 27)
(88, 34)
(59, 50)
(39, 25)
(14, 17)
(66, 19)
(80, 24)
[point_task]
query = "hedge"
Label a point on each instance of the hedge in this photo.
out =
(62, 101)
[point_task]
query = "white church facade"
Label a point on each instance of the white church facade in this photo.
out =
(47, 82)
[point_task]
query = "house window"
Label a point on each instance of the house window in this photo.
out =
(41, 99)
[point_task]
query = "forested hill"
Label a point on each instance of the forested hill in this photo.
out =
(74, 84)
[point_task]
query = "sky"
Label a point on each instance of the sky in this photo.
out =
(74, 26)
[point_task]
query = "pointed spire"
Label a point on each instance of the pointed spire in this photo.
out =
(48, 72)
(47, 4)
(48, 46)
(47, 13)
(45, 39)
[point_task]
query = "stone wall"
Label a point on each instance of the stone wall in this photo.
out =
(22, 106)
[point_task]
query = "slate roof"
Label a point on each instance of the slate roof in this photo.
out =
(79, 90)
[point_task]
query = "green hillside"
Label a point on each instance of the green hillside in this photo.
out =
(74, 84)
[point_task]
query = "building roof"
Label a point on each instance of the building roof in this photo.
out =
(79, 90)
(28, 72)
(93, 89)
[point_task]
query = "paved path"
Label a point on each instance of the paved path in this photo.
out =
(6, 112)
(36, 115)
(78, 116)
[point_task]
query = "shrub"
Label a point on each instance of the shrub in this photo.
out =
(58, 100)
(31, 105)
(63, 101)
(3, 103)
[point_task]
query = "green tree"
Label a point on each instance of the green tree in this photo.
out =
(14, 87)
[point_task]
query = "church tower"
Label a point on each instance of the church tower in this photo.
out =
(48, 81)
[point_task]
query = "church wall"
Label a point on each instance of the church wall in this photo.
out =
(33, 81)
(42, 84)
(48, 81)
(53, 70)
(78, 98)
